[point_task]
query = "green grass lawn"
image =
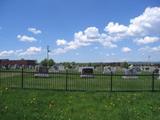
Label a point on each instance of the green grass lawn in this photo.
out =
(22, 104)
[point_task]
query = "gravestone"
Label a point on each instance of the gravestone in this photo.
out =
(87, 72)
(159, 75)
(61, 68)
(41, 71)
(108, 70)
(57, 68)
(156, 71)
(53, 69)
(130, 73)
(138, 69)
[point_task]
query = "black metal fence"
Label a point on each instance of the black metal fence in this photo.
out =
(70, 81)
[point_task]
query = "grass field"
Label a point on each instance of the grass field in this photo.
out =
(58, 81)
(22, 104)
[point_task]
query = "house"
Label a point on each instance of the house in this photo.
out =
(15, 64)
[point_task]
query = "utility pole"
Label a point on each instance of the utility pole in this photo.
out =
(48, 52)
(48, 56)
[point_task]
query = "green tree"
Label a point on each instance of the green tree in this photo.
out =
(125, 65)
(67, 65)
(46, 62)
(51, 62)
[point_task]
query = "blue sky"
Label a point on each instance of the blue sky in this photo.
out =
(80, 30)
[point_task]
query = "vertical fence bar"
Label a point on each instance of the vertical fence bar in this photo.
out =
(111, 81)
(153, 82)
(0, 78)
(22, 78)
(66, 80)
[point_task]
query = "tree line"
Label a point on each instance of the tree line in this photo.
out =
(70, 65)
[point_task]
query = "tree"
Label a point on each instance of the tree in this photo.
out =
(51, 62)
(67, 65)
(46, 62)
(125, 65)
(89, 64)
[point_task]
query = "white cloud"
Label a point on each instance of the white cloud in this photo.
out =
(70, 46)
(150, 49)
(81, 39)
(34, 30)
(59, 51)
(108, 44)
(147, 23)
(115, 28)
(126, 49)
(92, 33)
(143, 25)
(96, 48)
(20, 52)
(61, 42)
(10, 52)
(77, 54)
(147, 40)
(25, 38)
(31, 51)
(139, 29)
(6, 53)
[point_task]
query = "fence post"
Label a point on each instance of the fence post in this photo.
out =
(153, 82)
(66, 80)
(22, 78)
(111, 81)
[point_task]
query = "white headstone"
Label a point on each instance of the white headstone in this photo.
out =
(130, 73)
(41, 71)
(108, 70)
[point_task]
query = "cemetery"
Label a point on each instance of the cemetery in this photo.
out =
(86, 79)
(75, 76)
(79, 60)
(36, 84)
(39, 90)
